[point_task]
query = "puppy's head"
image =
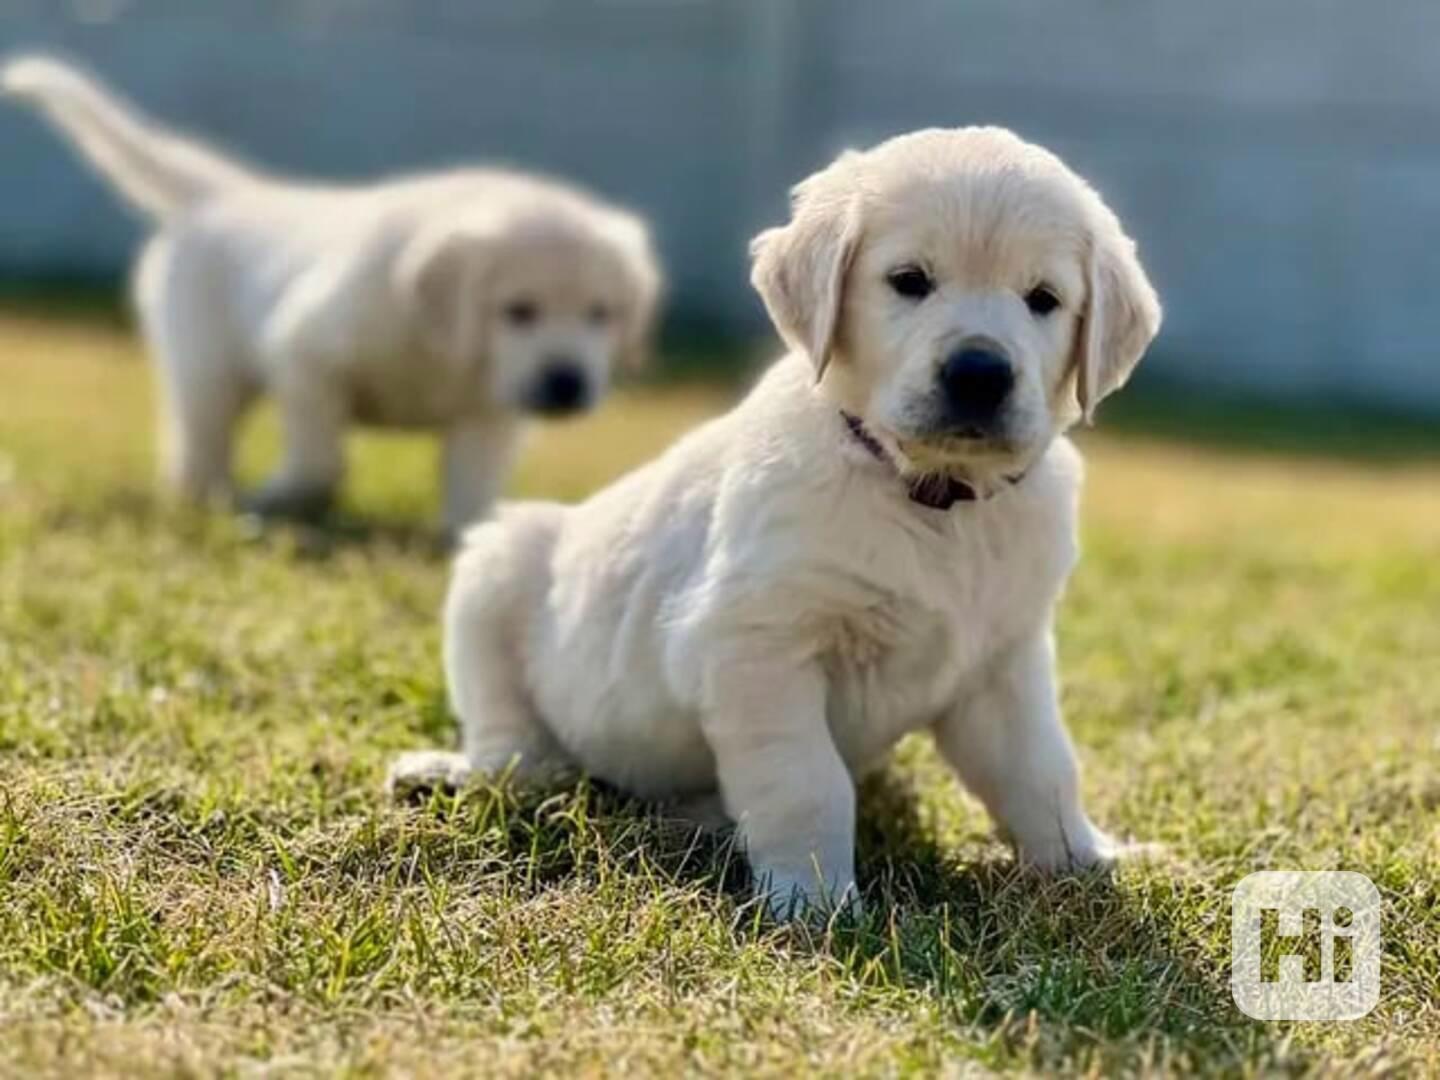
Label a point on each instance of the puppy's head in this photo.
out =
(962, 291)
(541, 302)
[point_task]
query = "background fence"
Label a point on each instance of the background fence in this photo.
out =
(1279, 162)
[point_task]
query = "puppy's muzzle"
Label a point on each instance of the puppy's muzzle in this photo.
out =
(562, 388)
(976, 381)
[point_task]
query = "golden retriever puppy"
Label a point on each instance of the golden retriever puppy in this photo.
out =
(459, 302)
(871, 544)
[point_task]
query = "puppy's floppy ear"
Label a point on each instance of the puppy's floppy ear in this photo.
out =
(439, 276)
(799, 269)
(645, 284)
(1120, 319)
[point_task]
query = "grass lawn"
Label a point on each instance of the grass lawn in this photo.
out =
(198, 872)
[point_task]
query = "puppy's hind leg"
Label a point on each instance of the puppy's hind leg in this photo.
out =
(204, 388)
(499, 581)
(417, 773)
(499, 578)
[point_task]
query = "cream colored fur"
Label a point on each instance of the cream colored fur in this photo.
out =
(397, 304)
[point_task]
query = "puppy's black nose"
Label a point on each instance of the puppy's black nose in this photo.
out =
(976, 380)
(562, 388)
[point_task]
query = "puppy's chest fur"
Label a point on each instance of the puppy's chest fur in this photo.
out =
(949, 594)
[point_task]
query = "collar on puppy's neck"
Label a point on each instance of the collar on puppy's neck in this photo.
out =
(934, 490)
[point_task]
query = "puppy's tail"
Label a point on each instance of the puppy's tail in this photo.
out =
(159, 172)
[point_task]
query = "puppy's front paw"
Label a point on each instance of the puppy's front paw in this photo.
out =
(1080, 848)
(804, 898)
(1066, 846)
(419, 773)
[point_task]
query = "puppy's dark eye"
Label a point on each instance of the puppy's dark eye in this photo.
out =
(599, 314)
(911, 282)
(521, 313)
(1042, 300)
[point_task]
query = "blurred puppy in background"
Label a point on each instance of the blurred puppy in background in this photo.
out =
(459, 301)
(871, 544)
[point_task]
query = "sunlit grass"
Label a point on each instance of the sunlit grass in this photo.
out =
(198, 872)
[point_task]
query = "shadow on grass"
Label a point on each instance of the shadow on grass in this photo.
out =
(1049, 970)
(1054, 966)
(345, 531)
(311, 540)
